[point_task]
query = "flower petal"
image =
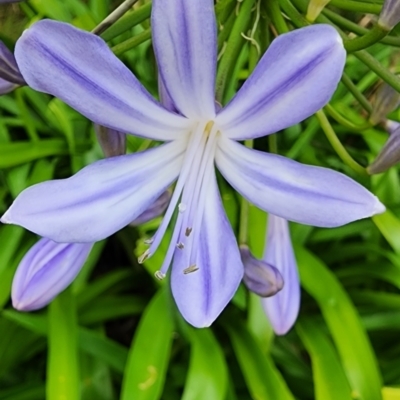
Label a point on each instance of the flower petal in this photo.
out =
(100, 199)
(184, 39)
(112, 142)
(203, 294)
(6, 87)
(295, 78)
(283, 308)
(46, 270)
(80, 69)
(9, 70)
(297, 192)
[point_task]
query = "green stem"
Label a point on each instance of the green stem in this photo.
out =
(356, 93)
(373, 36)
(291, 11)
(113, 17)
(128, 21)
(273, 144)
(379, 69)
(357, 6)
(277, 17)
(131, 42)
(233, 48)
(345, 122)
(244, 210)
(337, 145)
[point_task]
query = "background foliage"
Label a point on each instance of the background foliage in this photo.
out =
(116, 333)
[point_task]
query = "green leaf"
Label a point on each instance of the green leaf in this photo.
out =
(62, 365)
(149, 354)
(389, 226)
(344, 324)
(262, 377)
(16, 153)
(329, 378)
(203, 382)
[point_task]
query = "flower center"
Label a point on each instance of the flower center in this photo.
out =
(189, 199)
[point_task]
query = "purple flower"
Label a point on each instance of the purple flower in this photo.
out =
(283, 308)
(295, 78)
(46, 270)
(49, 267)
(10, 77)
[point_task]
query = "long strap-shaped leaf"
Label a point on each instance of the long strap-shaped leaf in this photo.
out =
(344, 324)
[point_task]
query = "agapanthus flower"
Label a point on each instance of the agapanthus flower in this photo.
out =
(283, 308)
(10, 77)
(295, 78)
(49, 267)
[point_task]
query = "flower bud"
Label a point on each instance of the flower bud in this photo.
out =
(385, 101)
(314, 9)
(45, 271)
(388, 156)
(261, 278)
(112, 142)
(10, 77)
(282, 309)
(155, 210)
(390, 14)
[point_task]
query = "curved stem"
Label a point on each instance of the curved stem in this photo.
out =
(337, 145)
(352, 88)
(345, 122)
(373, 36)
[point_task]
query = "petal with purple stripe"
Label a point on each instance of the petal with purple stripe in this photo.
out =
(295, 78)
(80, 69)
(46, 270)
(100, 199)
(9, 70)
(283, 308)
(297, 192)
(184, 38)
(203, 294)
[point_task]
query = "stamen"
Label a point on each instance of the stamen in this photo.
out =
(180, 246)
(144, 257)
(159, 275)
(149, 241)
(182, 207)
(192, 268)
(188, 232)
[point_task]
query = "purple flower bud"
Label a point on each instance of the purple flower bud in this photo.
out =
(10, 77)
(283, 308)
(391, 126)
(390, 14)
(10, 1)
(386, 100)
(112, 142)
(388, 156)
(46, 270)
(259, 277)
(155, 210)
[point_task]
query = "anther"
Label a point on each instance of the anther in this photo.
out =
(182, 207)
(159, 275)
(144, 257)
(149, 241)
(188, 231)
(180, 246)
(189, 270)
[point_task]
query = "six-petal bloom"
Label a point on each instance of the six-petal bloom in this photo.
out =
(296, 77)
